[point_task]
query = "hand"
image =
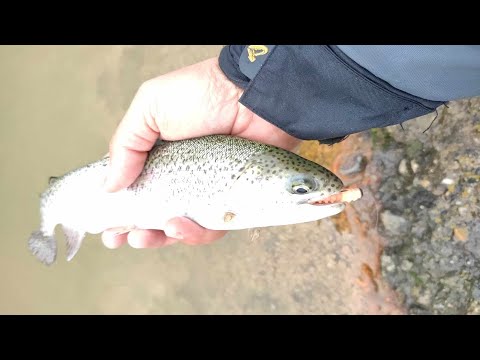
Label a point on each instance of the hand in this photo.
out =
(194, 101)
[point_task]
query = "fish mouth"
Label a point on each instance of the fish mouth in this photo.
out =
(343, 196)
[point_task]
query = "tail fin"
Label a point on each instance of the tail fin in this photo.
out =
(44, 247)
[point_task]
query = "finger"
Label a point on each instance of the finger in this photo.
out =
(141, 239)
(112, 240)
(134, 137)
(190, 232)
(170, 241)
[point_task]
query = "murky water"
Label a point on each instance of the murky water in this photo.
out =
(60, 105)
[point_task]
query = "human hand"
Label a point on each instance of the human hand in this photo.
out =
(193, 101)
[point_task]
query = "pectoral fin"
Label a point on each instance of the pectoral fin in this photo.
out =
(74, 240)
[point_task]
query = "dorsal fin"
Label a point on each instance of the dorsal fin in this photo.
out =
(52, 179)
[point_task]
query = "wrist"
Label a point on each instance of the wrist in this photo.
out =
(224, 96)
(222, 84)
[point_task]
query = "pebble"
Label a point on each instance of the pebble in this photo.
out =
(414, 165)
(460, 234)
(448, 181)
(402, 167)
(394, 224)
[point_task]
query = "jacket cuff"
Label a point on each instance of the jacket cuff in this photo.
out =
(229, 63)
(318, 93)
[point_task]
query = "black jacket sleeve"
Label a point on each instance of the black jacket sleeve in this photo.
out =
(316, 92)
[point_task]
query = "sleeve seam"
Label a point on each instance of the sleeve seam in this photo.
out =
(370, 81)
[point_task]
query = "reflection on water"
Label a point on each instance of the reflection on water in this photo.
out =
(60, 106)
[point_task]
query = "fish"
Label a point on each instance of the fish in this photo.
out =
(221, 182)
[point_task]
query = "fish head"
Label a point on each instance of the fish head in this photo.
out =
(280, 188)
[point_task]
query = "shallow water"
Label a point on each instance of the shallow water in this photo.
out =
(60, 105)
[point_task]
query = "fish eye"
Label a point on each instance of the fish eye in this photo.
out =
(301, 185)
(301, 189)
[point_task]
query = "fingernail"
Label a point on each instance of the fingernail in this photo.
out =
(172, 232)
(109, 244)
(136, 243)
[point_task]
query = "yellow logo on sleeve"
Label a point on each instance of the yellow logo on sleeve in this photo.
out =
(256, 50)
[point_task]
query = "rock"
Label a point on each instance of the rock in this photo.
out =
(353, 165)
(460, 234)
(474, 308)
(448, 181)
(425, 183)
(425, 299)
(394, 224)
(402, 167)
(439, 190)
(473, 245)
(423, 198)
(476, 293)
(387, 263)
(419, 229)
(414, 165)
(406, 265)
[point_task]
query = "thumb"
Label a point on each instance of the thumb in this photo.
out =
(129, 147)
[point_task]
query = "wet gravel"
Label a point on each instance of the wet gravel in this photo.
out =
(431, 209)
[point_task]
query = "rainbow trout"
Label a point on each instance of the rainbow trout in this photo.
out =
(221, 182)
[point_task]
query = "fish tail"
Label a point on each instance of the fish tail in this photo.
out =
(43, 246)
